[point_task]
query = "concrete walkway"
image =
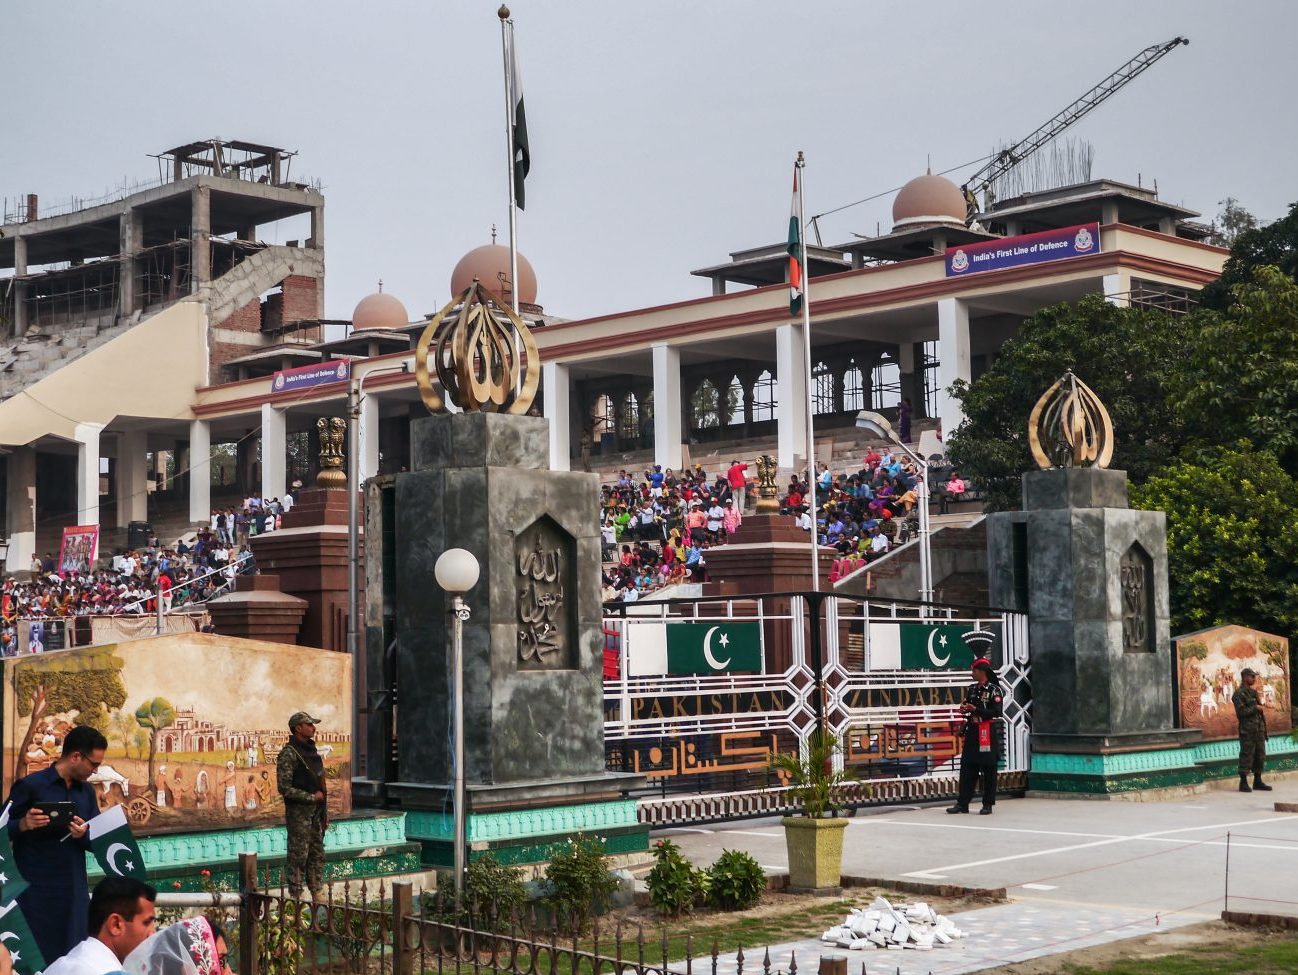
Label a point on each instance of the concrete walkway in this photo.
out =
(1079, 873)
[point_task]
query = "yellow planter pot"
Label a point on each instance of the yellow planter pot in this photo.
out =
(815, 852)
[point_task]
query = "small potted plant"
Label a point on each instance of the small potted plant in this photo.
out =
(814, 838)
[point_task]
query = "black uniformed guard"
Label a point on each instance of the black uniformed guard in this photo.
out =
(982, 710)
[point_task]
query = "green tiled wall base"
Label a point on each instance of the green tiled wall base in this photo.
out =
(535, 849)
(1109, 774)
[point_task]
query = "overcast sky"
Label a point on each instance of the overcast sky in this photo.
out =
(662, 133)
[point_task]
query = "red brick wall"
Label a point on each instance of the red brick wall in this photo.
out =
(246, 319)
(301, 298)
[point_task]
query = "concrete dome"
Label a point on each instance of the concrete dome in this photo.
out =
(490, 265)
(928, 199)
(379, 310)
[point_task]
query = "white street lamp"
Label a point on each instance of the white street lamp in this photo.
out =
(457, 572)
(878, 425)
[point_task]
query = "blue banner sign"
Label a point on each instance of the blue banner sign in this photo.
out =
(1048, 245)
(305, 376)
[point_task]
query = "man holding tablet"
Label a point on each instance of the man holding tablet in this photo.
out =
(47, 825)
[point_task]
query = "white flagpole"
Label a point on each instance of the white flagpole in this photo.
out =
(811, 399)
(507, 48)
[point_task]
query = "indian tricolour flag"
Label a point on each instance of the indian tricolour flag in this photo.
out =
(795, 250)
(114, 846)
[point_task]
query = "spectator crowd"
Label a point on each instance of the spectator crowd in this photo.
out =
(658, 527)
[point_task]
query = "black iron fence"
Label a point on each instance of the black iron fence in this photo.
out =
(390, 928)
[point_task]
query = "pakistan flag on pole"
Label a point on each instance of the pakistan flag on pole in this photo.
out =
(114, 846)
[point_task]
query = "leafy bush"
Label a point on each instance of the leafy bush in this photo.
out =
(811, 781)
(735, 882)
(494, 890)
(674, 884)
(579, 882)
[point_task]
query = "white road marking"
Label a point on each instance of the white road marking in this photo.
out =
(749, 832)
(770, 866)
(685, 829)
(925, 875)
(989, 829)
(1104, 842)
(1039, 886)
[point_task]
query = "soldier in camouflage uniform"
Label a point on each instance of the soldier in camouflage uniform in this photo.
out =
(300, 776)
(1252, 732)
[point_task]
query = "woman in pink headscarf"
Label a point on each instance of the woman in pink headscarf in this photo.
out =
(188, 947)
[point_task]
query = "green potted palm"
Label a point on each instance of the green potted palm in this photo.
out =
(814, 838)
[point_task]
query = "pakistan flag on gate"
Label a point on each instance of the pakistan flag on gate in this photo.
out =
(114, 846)
(723, 647)
(931, 646)
(14, 932)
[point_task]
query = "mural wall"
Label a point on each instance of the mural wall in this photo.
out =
(194, 723)
(1208, 667)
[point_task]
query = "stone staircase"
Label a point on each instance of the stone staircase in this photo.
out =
(45, 349)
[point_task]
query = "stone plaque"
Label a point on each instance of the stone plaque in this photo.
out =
(1137, 579)
(544, 573)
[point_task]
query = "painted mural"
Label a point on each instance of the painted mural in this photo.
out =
(194, 724)
(1208, 668)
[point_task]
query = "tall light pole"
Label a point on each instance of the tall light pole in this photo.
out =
(878, 425)
(355, 392)
(457, 572)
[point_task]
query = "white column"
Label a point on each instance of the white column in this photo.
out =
(790, 397)
(558, 410)
(132, 477)
(274, 452)
(367, 433)
(87, 438)
(1117, 288)
(953, 360)
(20, 508)
(667, 407)
(200, 471)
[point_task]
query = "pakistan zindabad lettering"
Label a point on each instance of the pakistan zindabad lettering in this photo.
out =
(540, 600)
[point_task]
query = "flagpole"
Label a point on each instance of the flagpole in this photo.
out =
(811, 399)
(506, 46)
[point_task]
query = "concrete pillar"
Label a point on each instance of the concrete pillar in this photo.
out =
(87, 438)
(20, 287)
(160, 469)
(558, 409)
(274, 452)
(200, 237)
(367, 433)
(129, 242)
(20, 508)
(200, 471)
(718, 287)
(953, 359)
(132, 477)
(1109, 212)
(667, 407)
(1117, 288)
(317, 227)
(790, 397)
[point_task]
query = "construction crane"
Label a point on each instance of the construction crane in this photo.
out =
(1008, 158)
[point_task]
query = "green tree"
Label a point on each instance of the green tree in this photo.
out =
(1275, 244)
(1232, 539)
(154, 716)
(1233, 221)
(85, 682)
(1122, 353)
(1240, 376)
(124, 726)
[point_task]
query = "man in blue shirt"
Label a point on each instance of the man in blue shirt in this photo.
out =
(56, 904)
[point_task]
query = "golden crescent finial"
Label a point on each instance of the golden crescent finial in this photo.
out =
(1070, 427)
(483, 364)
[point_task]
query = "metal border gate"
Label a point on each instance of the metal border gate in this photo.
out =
(827, 659)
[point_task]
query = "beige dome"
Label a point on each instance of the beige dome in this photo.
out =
(379, 310)
(928, 199)
(490, 265)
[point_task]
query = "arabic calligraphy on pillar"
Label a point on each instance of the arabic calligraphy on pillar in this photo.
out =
(545, 630)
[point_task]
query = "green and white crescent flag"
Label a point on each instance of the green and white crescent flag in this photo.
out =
(114, 846)
(723, 647)
(929, 646)
(11, 881)
(17, 936)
